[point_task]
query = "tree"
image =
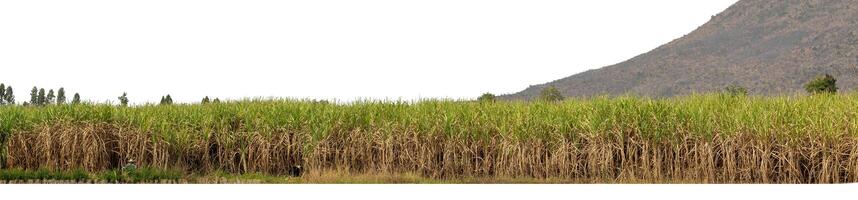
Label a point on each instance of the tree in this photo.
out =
(123, 100)
(487, 97)
(822, 84)
(42, 98)
(206, 100)
(550, 94)
(736, 90)
(61, 96)
(216, 100)
(50, 98)
(2, 93)
(9, 96)
(76, 98)
(166, 100)
(34, 96)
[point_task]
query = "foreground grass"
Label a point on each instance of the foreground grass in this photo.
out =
(702, 138)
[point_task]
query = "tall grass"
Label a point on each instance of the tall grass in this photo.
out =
(700, 138)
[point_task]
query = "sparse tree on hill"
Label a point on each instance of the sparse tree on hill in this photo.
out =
(50, 98)
(487, 97)
(550, 94)
(736, 90)
(822, 84)
(34, 96)
(61, 96)
(123, 100)
(76, 98)
(9, 96)
(206, 100)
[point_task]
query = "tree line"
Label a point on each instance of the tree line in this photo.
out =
(42, 97)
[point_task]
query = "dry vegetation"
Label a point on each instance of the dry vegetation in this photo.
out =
(699, 139)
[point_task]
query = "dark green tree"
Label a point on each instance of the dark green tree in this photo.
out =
(61, 96)
(822, 84)
(205, 100)
(216, 100)
(550, 94)
(50, 98)
(166, 100)
(2, 94)
(34, 96)
(736, 90)
(487, 97)
(76, 98)
(9, 96)
(42, 98)
(123, 100)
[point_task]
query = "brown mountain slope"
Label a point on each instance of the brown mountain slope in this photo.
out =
(768, 46)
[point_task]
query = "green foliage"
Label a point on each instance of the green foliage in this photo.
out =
(822, 84)
(50, 98)
(34, 96)
(76, 99)
(216, 100)
(487, 97)
(111, 176)
(138, 175)
(166, 100)
(550, 94)
(736, 90)
(43, 174)
(206, 100)
(123, 100)
(693, 115)
(2, 94)
(42, 99)
(9, 96)
(61, 96)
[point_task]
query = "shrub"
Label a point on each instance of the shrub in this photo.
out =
(550, 94)
(487, 97)
(123, 100)
(76, 99)
(736, 90)
(822, 84)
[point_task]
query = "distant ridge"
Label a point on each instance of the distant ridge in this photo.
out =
(770, 47)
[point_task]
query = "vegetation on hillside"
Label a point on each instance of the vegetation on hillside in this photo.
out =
(822, 84)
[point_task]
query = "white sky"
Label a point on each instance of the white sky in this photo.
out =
(343, 49)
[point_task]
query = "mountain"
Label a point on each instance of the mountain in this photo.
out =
(768, 46)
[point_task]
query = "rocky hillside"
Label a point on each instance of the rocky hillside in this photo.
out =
(770, 47)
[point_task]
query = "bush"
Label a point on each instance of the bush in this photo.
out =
(736, 90)
(123, 100)
(550, 94)
(487, 97)
(822, 84)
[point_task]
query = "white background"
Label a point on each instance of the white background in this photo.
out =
(342, 49)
